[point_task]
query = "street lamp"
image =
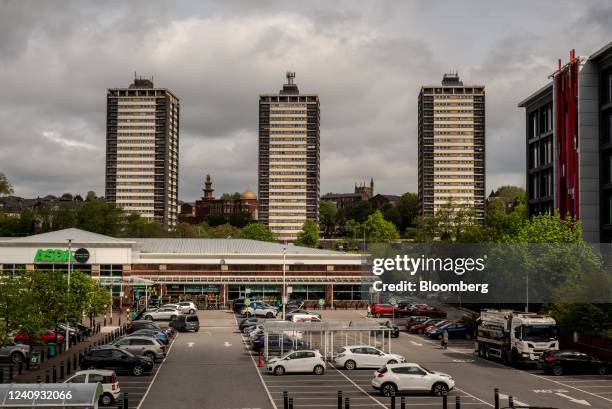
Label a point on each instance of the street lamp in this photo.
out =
(69, 268)
(284, 292)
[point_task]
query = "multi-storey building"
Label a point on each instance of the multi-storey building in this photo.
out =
(569, 144)
(451, 146)
(142, 142)
(289, 167)
(346, 200)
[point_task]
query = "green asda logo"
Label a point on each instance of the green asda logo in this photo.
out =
(52, 256)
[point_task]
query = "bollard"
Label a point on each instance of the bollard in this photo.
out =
(392, 401)
(11, 373)
(290, 403)
(457, 402)
(68, 367)
(20, 370)
(510, 401)
(105, 321)
(54, 373)
(28, 363)
(125, 400)
(444, 402)
(496, 398)
(285, 400)
(47, 376)
(347, 403)
(339, 399)
(403, 403)
(74, 362)
(38, 379)
(62, 366)
(59, 347)
(111, 320)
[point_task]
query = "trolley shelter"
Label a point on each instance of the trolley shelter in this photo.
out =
(327, 336)
(50, 395)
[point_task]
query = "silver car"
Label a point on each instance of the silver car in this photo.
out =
(142, 345)
(162, 313)
(187, 307)
(14, 353)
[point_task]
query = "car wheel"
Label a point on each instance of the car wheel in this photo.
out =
(391, 362)
(148, 318)
(602, 370)
(388, 389)
(196, 330)
(270, 315)
(150, 355)
(350, 365)
(439, 389)
(279, 370)
(16, 358)
(137, 370)
(318, 370)
(557, 370)
(106, 399)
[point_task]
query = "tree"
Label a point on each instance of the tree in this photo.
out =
(392, 214)
(257, 231)
(359, 211)
(239, 219)
(379, 230)
(91, 196)
(309, 236)
(18, 310)
(5, 187)
(215, 219)
(99, 217)
(408, 207)
(327, 215)
(508, 192)
(66, 197)
(140, 227)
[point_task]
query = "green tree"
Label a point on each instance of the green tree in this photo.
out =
(18, 308)
(257, 231)
(392, 214)
(5, 187)
(139, 227)
(215, 220)
(99, 217)
(239, 219)
(309, 236)
(379, 230)
(66, 197)
(91, 196)
(510, 193)
(408, 207)
(327, 215)
(359, 211)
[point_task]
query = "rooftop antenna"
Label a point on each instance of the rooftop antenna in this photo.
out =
(290, 77)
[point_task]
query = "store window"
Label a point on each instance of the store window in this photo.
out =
(348, 292)
(308, 292)
(63, 268)
(268, 293)
(111, 270)
(13, 268)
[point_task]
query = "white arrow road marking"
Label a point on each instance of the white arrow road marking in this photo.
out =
(227, 344)
(516, 401)
(190, 344)
(463, 360)
(580, 401)
(416, 343)
(550, 390)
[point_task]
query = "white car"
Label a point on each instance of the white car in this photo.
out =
(187, 307)
(365, 356)
(162, 313)
(300, 315)
(258, 309)
(298, 361)
(410, 377)
(108, 379)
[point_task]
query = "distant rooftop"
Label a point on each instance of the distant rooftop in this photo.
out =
(142, 82)
(451, 78)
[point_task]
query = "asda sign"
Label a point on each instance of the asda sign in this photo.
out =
(61, 256)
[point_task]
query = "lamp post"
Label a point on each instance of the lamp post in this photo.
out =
(284, 292)
(69, 268)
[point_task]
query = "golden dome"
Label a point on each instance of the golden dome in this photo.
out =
(248, 194)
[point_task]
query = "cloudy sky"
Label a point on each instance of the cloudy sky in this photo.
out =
(367, 60)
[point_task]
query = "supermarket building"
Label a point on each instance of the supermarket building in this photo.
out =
(221, 269)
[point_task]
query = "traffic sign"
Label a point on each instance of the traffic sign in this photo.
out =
(247, 301)
(321, 302)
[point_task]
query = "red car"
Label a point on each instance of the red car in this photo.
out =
(420, 328)
(414, 320)
(47, 337)
(379, 310)
(431, 312)
(436, 325)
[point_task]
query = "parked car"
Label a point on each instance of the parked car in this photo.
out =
(260, 309)
(387, 310)
(188, 307)
(278, 347)
(108, 379)
(142, 345)
(431, 312)
(364, 356)
(111, 357)
(395, 331)
(423, 326)
(410, 377)
(183, 323)
(157, 334)
(454, 329)
(565, 361)
(47, 337)
(298, 361)
(62, 329)
(247, 322)
(142, 324)
(175, 306)
(415, 320)
(438, 324)
(162, 313)
(299, 314)
(14, 353)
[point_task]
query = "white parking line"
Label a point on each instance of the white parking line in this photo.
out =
(360, 388)
(156, 372)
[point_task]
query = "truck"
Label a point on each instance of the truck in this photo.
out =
(515, 337)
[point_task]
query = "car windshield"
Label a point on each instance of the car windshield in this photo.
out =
(539, 333)
(425, 369)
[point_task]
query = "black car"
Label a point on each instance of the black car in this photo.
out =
(568, 361)
(188, 322)
(111, 357)
(142, 324)
(248, 322)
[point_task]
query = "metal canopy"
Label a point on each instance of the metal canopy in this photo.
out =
(281, 326)
(65, 395)
(250, 279)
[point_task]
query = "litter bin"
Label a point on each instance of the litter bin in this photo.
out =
(51, 350)
(133, 315)
(34, 359)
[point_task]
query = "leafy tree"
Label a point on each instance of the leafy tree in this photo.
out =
(257, 231)
(66, 197)
(352, 229)
(99, 217)
(215, 220)
(408, 207)
(18, 310)
(379, 230)
(239, 219)
(392, 214)
(359, 211)
(26, 225)
(309, 236)
(5, 187)
(508, 192)
(91, 196)
(98, 300)
(140, 227)
(64, 216)
(327, 215)
(224, 231)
